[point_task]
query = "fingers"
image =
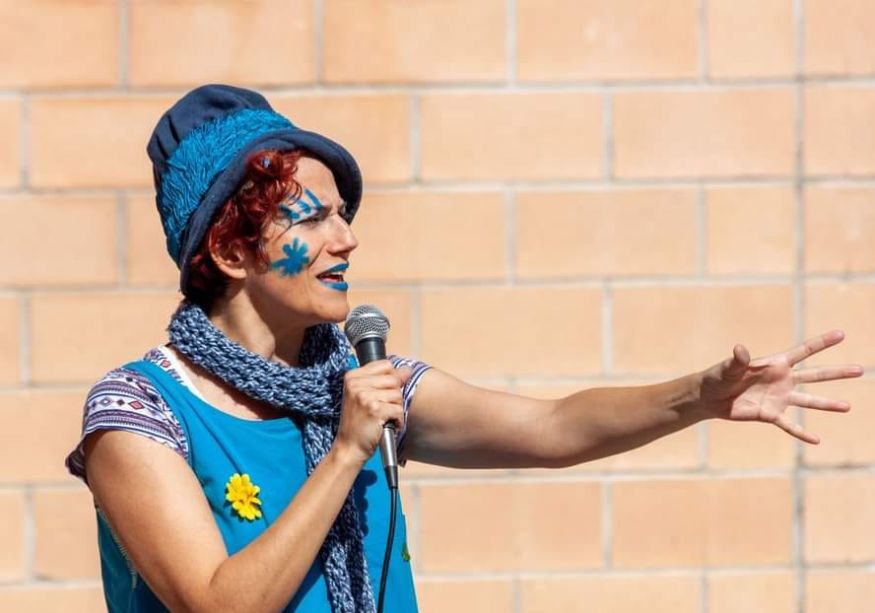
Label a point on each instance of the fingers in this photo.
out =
(827, 373)
(809, 401)
(736, 366)
(814, 345)
(405, 372)
(795, 430)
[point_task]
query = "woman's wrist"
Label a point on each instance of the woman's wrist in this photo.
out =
(346, 456)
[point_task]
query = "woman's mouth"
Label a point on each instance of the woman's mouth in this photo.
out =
(333, 277)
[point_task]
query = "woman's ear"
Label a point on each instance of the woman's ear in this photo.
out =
(231, 258)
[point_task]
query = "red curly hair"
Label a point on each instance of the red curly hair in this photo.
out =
(244, 217)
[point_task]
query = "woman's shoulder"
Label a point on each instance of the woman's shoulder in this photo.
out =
(125, 399)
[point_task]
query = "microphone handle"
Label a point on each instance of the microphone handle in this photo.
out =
(369, 350)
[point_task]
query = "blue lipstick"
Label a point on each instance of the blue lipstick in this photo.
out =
(339, 269)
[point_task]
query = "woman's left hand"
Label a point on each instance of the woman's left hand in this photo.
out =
(741, 389)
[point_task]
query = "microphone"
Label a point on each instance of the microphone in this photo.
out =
(366, 328)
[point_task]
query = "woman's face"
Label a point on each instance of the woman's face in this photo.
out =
(308, 251)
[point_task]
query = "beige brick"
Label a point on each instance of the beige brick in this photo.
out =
(846, 439)
(838, 523)
(430, 236)
(839, 129)
(78, 337)
(397, 304)
(482, 596)
(745, 592)
(147, 257)
(52, 598)
(59, 44)
(704, 133)
(703, 523)
(66, 534)
(398, 41)
(374, 127)
(47, 426)
(83, 250)
(745, 445)
(625, 232)
(831, 590)
(625, 594)
(519, 331)
(12, 535)
(501, 527)
(10, 145)
(526, 136)
(848, 306)
(838, 37)
(750, 230)
(604, 39)
(679, 451)
(67, 150)
(418, 470)
(677, 329)
(839, 226)
(750, 38)
(260, 41)
(10, 339)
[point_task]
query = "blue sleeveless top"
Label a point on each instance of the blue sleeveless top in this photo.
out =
(271, 452)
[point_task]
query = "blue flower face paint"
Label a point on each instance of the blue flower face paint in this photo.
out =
(333, 277)
(308, 206)
(295, 261)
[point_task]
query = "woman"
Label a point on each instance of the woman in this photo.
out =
(262, 492)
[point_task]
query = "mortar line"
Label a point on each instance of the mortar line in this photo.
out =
(704, 67)
(516, 594)
(29, 535)
(24, 340)
(704, 592)
(607, 525)
(607, 312)
(318, 42)
(608, 151)
(122, 242)
(703, 440)
(124, 37)
(476, 87)
(511, 44)
(415, 139)
(416, 321)
(24, 143)
(798, 535)
(702, 231)
(510, 236)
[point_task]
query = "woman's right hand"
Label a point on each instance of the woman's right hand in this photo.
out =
(371, 397)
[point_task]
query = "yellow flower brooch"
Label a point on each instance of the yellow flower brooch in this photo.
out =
(243, 496)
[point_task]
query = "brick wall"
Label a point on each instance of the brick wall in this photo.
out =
(629, 186)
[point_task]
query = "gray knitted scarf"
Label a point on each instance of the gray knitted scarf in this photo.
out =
(313, 392)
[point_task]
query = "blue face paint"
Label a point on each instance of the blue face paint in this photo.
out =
(295, 261)
(338, 270)
(301, 209)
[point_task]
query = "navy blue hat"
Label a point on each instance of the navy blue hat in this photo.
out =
(199, 151)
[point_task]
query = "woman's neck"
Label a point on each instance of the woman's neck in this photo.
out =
(241, 322)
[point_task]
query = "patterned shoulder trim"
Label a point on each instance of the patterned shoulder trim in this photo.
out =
(419, 369)
(126, 400)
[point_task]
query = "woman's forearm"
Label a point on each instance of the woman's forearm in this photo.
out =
(599, 422)
(266, 574)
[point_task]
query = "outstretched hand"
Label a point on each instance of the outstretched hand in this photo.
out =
(741, 389)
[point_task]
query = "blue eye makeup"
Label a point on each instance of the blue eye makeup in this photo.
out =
(307, 207)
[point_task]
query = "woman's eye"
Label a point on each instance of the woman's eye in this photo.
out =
(313, 219)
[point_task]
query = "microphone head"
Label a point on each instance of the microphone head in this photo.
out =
(366, 321)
